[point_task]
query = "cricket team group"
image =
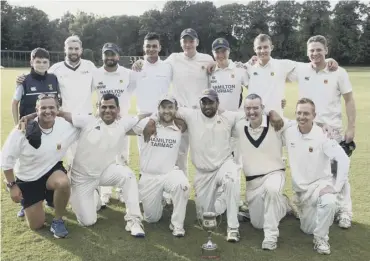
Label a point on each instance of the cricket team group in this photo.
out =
(189, 102)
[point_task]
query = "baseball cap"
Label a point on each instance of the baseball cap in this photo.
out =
(167, 97)
(189, 32)
(220, 43)
(33, 134)
(210, 94)
(111, 47)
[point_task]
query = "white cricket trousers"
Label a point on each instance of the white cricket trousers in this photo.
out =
(151, 188)
(344, 196)
(316, 212)
(83, 202)
(122, 159)
(182, 158)
(266, 203)
(218, 191)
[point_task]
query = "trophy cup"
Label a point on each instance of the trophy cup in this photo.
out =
(209, 223)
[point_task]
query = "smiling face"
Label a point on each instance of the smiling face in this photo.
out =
(167, 111)
(209, 107)
(316, 52)
(73, 51)
(46, 110)
(221, 54)
(40, 65)
(110, 58)
(305, 114)
(189, 45)
(263, 49)
(151, 48)
(108, 111)
(253, 109)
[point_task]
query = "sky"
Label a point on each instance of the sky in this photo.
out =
(57, 8)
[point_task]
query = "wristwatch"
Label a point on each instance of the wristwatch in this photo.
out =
(10, 184)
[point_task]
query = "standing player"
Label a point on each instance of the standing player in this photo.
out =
(154, 79)
(228, 81)
(310, 152)
(94, 165)
(115, 79)
(32, 165)
(75, 81)
(326, 88)
(158, 168)
(259, 142)
(217, 181)
(25, 96)
(189, 79)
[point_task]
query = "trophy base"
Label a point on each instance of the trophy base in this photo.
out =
(210, 251)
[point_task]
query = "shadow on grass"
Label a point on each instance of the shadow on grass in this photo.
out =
(107, 240)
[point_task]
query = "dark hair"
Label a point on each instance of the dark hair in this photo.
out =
(109, 96)
(152, 36)
(40, 53)
(263, 38)
(318, 38)
(305, 101)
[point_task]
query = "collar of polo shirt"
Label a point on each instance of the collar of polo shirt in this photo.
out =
(312, 134)
(266, 65)
(192, 58)
(149, 63)
(230, 66)
(325, 70)
(172, 126)
(263, 124)
(73, 66)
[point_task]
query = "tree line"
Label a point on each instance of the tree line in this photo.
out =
(346, 26)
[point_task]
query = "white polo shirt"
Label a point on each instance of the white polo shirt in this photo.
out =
(75, 85)
(121, 83)
(269, 82)
(309, 158)
(159, 155)
(260, 145)
(228, 83)
(30, 164)
(325, 88)
(99, 143)
(153, 81)
(209, 137)
(189, 77)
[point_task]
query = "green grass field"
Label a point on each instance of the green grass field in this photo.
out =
(107, 240)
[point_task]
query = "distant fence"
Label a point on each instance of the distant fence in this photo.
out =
(13, 59)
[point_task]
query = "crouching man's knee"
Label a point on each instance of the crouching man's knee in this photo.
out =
(87, 221)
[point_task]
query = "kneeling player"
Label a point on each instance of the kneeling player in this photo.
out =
(310, 152)
(95, 165)
(36, 161)
(158, 171)
(261, 151)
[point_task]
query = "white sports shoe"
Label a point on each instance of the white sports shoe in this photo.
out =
(233, 235)
(177, 232)
(269, 245)
(321, 246)
(344, 221)
(135, 227)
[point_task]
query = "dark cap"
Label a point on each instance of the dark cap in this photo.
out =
(220, 43)
(189, 32)
(210, 94)
(111, 47)
(167, 97)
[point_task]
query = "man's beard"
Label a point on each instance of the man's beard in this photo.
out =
(110, 63)
(78, 57)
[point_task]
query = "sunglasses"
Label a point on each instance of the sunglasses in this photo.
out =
(46, 96)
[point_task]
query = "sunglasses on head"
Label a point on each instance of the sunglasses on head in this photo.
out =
(46, 96)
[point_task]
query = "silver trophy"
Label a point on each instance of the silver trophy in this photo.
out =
(209, 223)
